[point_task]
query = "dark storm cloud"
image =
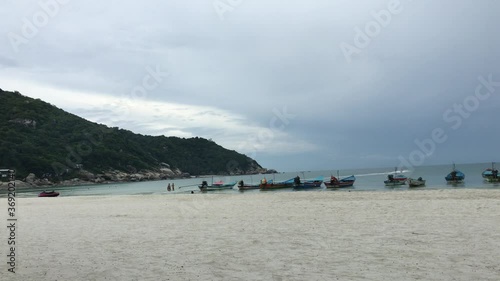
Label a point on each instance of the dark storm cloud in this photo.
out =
(270, 78)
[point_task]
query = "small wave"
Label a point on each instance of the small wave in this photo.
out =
(383, 173)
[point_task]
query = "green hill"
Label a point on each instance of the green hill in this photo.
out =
(37, 137)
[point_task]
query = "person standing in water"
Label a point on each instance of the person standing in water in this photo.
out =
(168, 187)
(173, 188)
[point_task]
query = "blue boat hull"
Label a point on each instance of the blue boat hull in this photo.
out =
(458, 177)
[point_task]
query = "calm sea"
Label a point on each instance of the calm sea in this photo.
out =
(366, 180)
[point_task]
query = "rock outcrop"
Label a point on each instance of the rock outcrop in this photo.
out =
(85, 177)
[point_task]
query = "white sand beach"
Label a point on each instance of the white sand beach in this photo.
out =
(330, 235)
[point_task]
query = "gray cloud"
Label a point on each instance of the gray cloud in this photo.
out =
(228, 77)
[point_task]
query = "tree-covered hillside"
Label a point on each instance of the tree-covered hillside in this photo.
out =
(37, 137)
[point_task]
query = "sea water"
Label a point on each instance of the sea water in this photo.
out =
(371, 179)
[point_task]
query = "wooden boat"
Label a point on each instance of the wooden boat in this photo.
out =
(215, 186)
(336, 183)
(416, 182)
(313, 183)
(264, 184)
(243, 186)
(455, 176)
(396, 179)
(48, 194)
(491, 174)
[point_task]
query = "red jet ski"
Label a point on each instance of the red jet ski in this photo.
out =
(48, 194)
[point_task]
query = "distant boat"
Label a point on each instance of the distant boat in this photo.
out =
(416, 182)
(491, 175)
(396, 179)
(313, 183)
(215, 186)
(48, 194)
(455, 176)
(243, 186)
(336, 183)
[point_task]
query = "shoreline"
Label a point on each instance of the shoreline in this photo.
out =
(362, 184)
(79, 182)
(371, 235)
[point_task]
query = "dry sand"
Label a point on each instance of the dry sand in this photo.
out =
(404, 235)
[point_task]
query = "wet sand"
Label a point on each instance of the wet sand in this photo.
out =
(330, 235)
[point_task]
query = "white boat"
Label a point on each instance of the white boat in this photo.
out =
(395, 179)
(416, 182)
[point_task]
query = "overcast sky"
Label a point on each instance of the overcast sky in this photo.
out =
(296, 85)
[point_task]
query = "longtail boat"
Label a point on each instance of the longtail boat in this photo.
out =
(491, 174)
(455, 176)
(336, 183)
(395, 179)
(243, 186)
(313, 183)
(215, 186)
(275, 185)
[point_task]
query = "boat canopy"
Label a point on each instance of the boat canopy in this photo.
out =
(458, 175)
